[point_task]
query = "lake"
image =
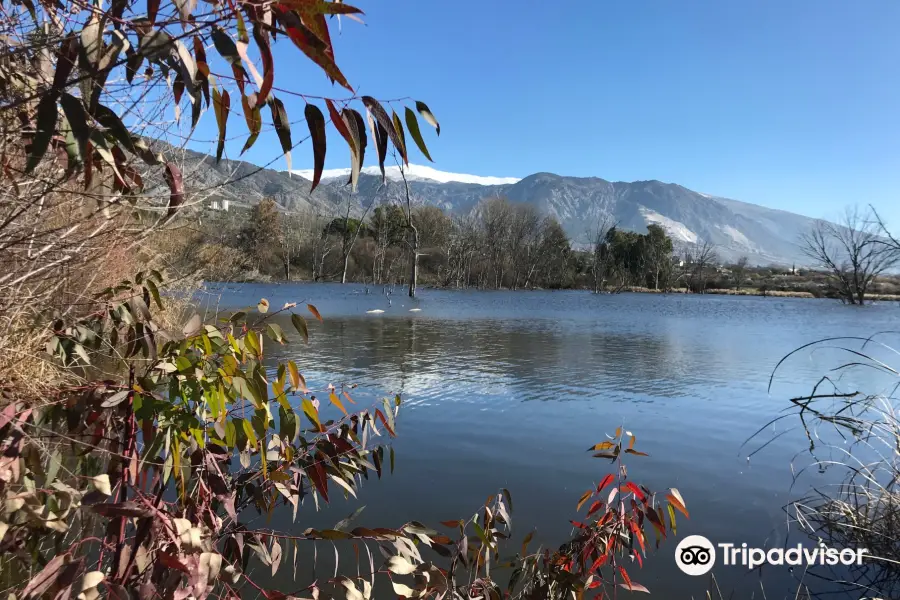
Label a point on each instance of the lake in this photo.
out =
(508, 389)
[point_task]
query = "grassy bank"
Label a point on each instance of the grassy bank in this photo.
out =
(758, 292)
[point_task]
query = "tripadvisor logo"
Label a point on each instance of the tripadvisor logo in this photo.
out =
(696, 555)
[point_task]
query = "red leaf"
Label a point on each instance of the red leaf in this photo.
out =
(636, 531)
(676, 503)
(655, 521)
(384, 422)
(635, 490)
(625, 576)
(170, 561)
(98, 435)
(152, 9)
(606, 481)
(265, 51)
(595, 507)
(314, 311)
(339, 124)
(598, 563)
(175, 182)
(315, 48)
(317, 476)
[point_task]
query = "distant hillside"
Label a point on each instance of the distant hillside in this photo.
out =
(765, 235)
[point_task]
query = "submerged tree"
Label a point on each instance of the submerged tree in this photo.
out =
(851, 252)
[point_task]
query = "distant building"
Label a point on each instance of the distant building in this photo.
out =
(220, 205)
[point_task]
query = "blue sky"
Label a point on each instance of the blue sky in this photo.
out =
(788, 104)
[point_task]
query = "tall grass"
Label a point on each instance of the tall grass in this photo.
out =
(851, 423)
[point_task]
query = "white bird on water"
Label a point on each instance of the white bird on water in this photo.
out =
(377, 311)
(415, 310)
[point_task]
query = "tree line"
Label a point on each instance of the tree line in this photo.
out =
(498, 245)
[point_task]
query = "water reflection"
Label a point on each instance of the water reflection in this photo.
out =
(412, 356)
(508, 389)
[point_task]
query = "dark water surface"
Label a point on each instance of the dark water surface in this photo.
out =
(508, 389)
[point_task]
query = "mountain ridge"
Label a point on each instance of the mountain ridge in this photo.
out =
(737, 228)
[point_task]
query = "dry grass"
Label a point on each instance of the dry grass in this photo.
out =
(856, 431)
(721, 292)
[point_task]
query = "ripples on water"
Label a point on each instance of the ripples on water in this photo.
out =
(507, 389)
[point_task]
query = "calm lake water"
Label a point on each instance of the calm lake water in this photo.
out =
(508, 389)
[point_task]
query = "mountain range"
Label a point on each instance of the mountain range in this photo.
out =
(764, 235)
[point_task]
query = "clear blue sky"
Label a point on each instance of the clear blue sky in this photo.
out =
(791, 104)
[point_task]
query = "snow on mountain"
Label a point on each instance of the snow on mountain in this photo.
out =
(678, 231)
(413, 173)
(739, 238)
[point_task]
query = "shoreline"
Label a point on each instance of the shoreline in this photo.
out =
(630, 289)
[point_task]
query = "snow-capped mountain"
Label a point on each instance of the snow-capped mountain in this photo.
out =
(413, 173)
(737, 229)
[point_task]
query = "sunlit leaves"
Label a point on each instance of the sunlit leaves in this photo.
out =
(315, 311)
(338, 121)
(401, 137)
(185, 8)
(316, 122)
(412, 124)
(675, 499)
(584, 498)
(311, 413)
(222, 106)
(428, 116)
(101, 484)
(382, 118)
(297, 379)
(601, 446)
(309, 43)
(253, 116)
(91, 40)
(332, 397)
(607, 479)
(300, 325)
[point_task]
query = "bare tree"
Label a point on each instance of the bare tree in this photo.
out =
(885, 236)
(698, 258)
(600, 256)
(290, 239)
(348, 239)
(413, 240)
(739, 271)
(851, 252)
